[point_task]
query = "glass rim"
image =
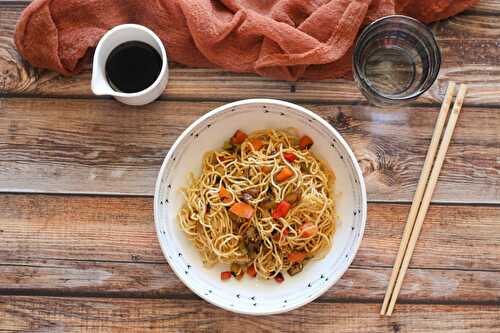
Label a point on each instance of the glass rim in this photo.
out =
(356, 55)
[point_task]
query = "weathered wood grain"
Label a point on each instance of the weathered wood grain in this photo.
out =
(489, 7)
(156, 280)
(476, 30)
(99, 146)
(88, 228)
(47, 314)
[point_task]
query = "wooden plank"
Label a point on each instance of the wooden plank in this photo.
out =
(489, 7)
(156, 280)
(98, 146)
(468, 42)
(38, 227)
(44, 314)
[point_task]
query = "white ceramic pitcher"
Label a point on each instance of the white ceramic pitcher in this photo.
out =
(113, 38)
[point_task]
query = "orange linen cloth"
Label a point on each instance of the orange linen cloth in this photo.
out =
(281, 39)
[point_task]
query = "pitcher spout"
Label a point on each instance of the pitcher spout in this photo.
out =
(99, 83)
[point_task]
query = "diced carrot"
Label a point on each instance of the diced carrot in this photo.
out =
(284, 174)
(225, 275)
(281, 210)
(252, 271)
(308, 229)
(238, 137)
(242, 210)
(257, 143)
(294, 257)
(266, 169)
(305, 142)
(290, 157)
(279, 278)
(225, 195)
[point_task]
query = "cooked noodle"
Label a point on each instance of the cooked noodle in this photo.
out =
(250, 176)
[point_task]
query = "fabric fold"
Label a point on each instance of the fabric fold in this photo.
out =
(281, 39)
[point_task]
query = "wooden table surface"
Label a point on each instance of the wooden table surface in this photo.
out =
(78, 251)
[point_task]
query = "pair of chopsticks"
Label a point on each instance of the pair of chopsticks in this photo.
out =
(423, 195)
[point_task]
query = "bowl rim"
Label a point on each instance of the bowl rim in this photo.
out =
(185, 133)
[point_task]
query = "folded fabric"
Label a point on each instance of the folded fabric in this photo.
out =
(281, 39)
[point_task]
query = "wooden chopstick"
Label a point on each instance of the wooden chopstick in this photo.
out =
(419, 193)
(443, 148)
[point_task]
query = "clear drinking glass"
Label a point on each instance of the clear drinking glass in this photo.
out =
(396, 59)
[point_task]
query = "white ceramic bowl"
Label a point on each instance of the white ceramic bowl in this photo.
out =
(257, 296)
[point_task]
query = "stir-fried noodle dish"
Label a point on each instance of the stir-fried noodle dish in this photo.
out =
(263, 205)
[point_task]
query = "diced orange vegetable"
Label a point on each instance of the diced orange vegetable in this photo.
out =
(240, 275)
(266, 169)
(257, 143)
(279, 278)
(242, 210)
(294, 257)
(290, 157)
(308, 229)
(284, 174)
(252, 271)
(225, 195)
(281, 210)
(238, 137)
(305, 142)
(225, 275)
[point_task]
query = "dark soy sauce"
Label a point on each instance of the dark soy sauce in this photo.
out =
(133, 66)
